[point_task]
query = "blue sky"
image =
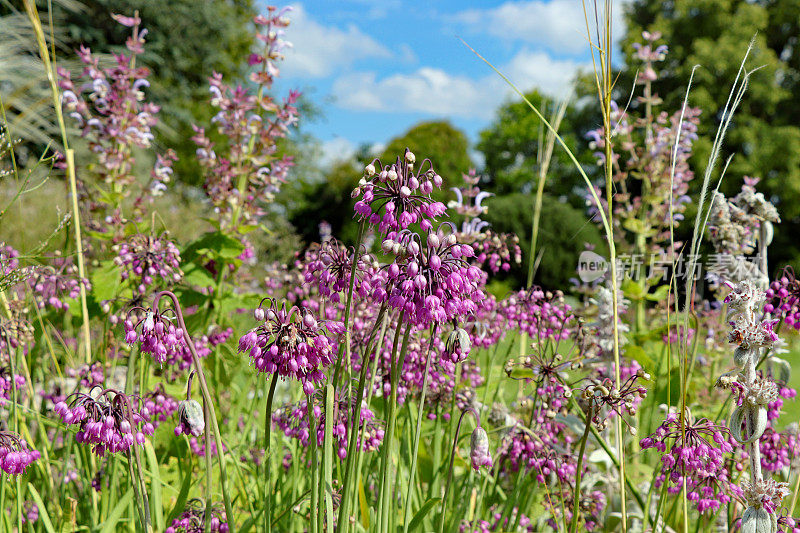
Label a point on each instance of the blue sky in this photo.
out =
(377, 67)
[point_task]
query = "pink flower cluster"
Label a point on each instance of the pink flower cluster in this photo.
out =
(193, 519)
(146, 260)
(54, 283)
(696, 460)
(293, 421)
(431, 282)
(111, 422)
(15, 456)
(290, 343)
(402, 193)
(158, 335)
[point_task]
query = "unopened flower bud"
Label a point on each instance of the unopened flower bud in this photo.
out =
(479, 449)
(192, 419)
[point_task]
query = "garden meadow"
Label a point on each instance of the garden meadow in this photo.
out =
(162, 384)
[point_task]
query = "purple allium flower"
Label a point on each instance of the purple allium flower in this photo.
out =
(158, 406)
(293, 421)
(783, 299)
(15, 456)
(30, 512)
(146, 260)
(329, 265)
(156, 332)
(7, 386)
(198, 447)
(56, 282)
(697, 460)
(193, 519)
(290, 342)
(110, 422)
(402, 193)
(434, 282)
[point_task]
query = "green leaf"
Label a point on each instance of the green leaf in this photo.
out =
(111, 524)
(155, 486)
(422, 513)
(43, 516)
(215, 245)
(633, 289)
(638, 354)
(659, 295)
(105, 281)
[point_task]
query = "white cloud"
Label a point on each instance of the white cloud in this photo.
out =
(336, 150)
(436, 92)
(318, 51)
(558, 25)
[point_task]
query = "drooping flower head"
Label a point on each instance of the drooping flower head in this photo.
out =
(15, 456)
(329, 265)
(290, 342)
(401, 192)
(109, 420)
(293, 421)
(54, 283)
(433, 281)
(147, 260)
(193, 519)
(695, 456)
(157, 333)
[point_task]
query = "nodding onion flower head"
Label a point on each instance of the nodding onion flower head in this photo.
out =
(111, 421)
(479, 449)
(193, 519)
(432, 282)
(15, 456)
(695, 455)
(146, 260)
(290, 342)
(156, 332)
(401, 192)
(329, 266)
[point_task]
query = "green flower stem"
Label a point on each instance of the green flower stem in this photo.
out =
(415, 448)
(385, 477)
(207, 398)
(267, 462)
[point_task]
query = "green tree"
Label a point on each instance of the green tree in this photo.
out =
(563, 232)
(511, 143)
(326, 200)
(438, 141)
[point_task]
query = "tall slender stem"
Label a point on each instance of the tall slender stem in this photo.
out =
(576, 498)
(267, 462)
(415, 448)
(223, 474)
(312, 453)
